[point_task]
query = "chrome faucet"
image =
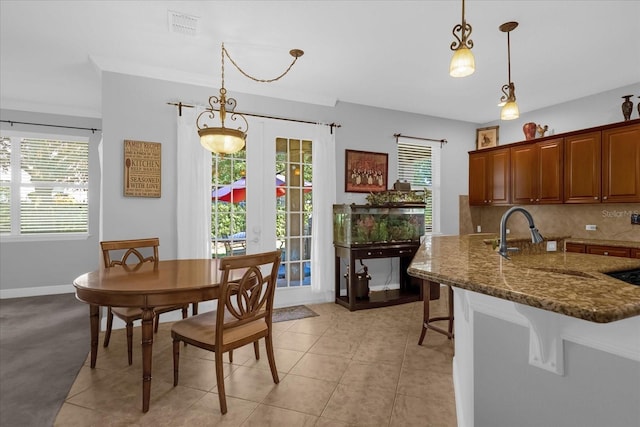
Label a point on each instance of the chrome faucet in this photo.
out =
(536, 237)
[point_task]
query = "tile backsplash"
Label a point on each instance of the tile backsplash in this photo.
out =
(612, 220)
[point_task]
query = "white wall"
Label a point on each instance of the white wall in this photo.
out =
(372, 129)
(49, 267)
(136, 108)
(594, 110)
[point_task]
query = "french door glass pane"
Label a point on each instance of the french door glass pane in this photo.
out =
(228, 205)
(293, 211)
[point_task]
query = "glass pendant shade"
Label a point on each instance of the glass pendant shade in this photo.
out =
(462, 63)
(222, 140)
(510, 111)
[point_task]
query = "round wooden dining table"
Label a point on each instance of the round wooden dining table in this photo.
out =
(148, 285)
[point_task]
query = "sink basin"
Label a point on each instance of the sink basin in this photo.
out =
(564, 271)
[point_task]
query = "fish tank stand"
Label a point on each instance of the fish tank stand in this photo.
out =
(363, 232)
(410, 287)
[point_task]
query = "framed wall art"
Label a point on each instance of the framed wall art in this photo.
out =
(487, 137)
(142, 169)
(365, 172)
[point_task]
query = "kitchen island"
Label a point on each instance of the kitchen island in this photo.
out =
(540, 339)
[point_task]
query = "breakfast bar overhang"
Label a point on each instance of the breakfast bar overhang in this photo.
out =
(540, 339)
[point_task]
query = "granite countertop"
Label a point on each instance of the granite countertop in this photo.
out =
(568, 283)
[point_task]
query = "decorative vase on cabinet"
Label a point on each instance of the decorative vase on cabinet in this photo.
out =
(627, 107)
(529, 130)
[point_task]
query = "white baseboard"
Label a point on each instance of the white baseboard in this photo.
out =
(36, 291)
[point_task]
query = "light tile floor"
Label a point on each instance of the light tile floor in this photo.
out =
(341, 368)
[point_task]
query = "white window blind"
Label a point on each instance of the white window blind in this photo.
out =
(43, 185)
(418, 165)
(5, 185)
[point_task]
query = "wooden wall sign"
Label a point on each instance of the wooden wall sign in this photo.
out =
(142, 169)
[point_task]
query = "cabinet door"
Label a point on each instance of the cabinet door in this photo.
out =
(536, 172)
(499, 177)
(524, 174)
(489, 177)
(609, 251)
(582, 168)
(478, 179)
(621, 165)
(575, 247)
(550, 155)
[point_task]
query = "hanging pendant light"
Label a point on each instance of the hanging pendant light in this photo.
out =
(462, 63)
(508, 103)
(221, 139)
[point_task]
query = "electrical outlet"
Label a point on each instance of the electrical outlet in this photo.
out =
(552, 246)
(479, 229)
(508, 231)
(591, 227)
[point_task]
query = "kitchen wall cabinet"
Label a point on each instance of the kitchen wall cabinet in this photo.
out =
(489, 177)
(582, 167)
(537, 172)
(621, 164)
(635, 253)
(603, 166)
(596, 165)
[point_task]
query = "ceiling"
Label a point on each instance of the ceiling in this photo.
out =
(388, 54)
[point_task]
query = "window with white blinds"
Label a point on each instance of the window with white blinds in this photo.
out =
(418, 164)
(44, 185)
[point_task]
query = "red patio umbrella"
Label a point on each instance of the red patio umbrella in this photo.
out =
(237, 191)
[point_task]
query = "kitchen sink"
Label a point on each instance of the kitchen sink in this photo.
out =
(629, 276)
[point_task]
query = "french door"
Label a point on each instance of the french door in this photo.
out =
(262, 200)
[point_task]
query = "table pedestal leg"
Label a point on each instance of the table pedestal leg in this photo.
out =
(94, 319)
(147, 350)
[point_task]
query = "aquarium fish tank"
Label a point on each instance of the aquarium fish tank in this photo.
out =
(370, 224)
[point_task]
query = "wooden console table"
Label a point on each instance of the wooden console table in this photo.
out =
(410, 287)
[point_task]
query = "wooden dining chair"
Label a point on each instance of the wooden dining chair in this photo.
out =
(243, 316)
(130, 256)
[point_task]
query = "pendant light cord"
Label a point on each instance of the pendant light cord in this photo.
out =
(296, 53)
(509, 55)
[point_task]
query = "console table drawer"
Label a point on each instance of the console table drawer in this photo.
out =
(383, 252)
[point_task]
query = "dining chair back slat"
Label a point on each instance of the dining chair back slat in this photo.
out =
(132, 247)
